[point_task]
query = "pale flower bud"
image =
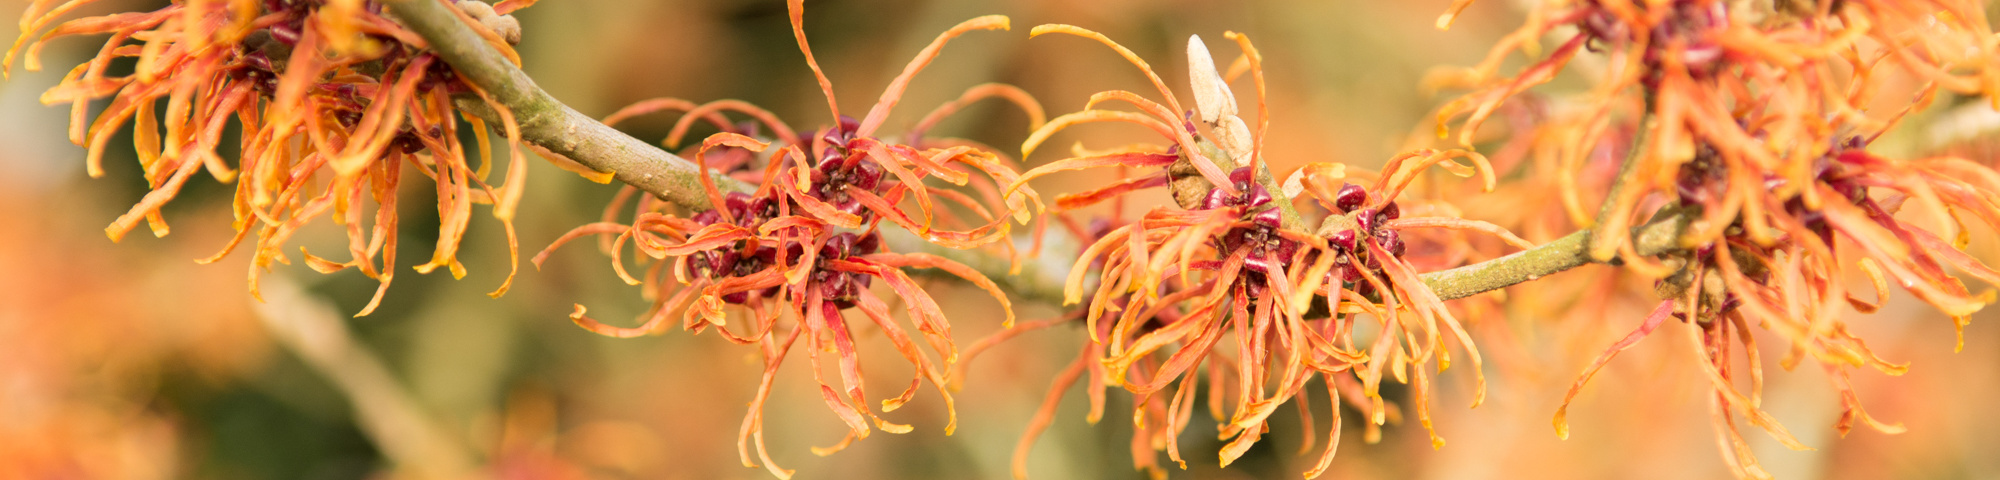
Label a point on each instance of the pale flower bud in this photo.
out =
(1212, 98)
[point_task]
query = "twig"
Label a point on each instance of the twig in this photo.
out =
(1040, 283)
(548, 123)
(1628, 173)
(1659, 236)
(387, 415)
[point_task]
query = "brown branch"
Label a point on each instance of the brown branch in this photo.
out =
(386, 412)
(547, 123)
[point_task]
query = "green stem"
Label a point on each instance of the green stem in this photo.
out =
(1656, 237)
(1628, 173)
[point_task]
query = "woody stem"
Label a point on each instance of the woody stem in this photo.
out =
(545, 122)
(1659, 236)
(552, 126)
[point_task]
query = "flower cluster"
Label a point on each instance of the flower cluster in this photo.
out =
(807, 242)
(1756, 126)
(1237, 260)
(333, 101)
(1750, 128)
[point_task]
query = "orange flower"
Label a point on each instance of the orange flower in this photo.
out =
(1237, 261)
(333, 101)
(1757, 125)
(808, 240)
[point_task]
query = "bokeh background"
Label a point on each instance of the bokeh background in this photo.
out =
(128, 360)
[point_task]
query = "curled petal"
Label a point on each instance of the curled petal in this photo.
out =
(894, 93)
(1040, 135)
(1019, 97)
(1122, 51)
(797, 11)
(1646, 327)
(708, 238)
(1128, 159)
(925, 260)
(1460, 224)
